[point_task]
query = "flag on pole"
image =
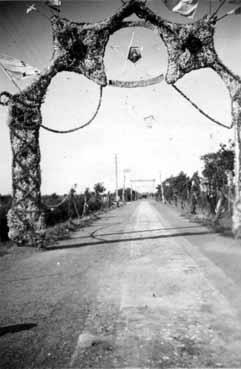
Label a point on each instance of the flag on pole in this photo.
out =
(17, 68)
(54, 4)
(186, 8)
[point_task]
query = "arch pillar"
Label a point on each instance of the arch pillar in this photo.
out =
(24, 217)
(236, 218)
(233, 84)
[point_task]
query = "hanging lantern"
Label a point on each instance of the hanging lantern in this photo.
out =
(134, 54)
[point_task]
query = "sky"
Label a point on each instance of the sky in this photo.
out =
(178, 135)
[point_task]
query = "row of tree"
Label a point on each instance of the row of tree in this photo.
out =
(212, 191)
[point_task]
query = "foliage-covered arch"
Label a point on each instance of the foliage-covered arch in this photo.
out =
(80, 48)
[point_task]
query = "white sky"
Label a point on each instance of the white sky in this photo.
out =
(179, 134)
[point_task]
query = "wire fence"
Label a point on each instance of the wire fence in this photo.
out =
(59, 209)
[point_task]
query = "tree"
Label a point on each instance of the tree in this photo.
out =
(216, 164)
(176, 188)
(180, 183)
(99, 188)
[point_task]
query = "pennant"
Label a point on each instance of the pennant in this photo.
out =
(186, 8)
(54, 4)
(17, 68)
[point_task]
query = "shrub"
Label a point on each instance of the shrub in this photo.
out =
(5, 204)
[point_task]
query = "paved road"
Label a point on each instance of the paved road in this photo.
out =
(140, 288)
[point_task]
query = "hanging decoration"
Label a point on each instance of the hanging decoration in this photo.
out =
(200, 110)
(135, 84)
(134, 54)
(83, 125)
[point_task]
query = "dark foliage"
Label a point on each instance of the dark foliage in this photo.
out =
(203, 193)
(5, 204)
(216, 164)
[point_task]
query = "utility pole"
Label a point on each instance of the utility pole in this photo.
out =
(124, 187)
(116, 180)
(162, 190)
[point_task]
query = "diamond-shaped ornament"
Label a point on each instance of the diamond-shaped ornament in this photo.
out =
(134, 54)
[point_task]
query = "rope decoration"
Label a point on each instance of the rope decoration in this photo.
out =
(135, 84)
(81, 126)
(199, 109)
(57, 205)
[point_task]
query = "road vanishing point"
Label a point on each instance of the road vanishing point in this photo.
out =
(141, 287)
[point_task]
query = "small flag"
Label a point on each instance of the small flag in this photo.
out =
(183, 7)
(30, 9)
(54, 4)
(17, 68)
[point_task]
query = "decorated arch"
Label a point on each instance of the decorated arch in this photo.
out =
(80, 48)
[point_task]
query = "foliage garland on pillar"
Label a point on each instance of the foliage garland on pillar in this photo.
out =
(80, 48)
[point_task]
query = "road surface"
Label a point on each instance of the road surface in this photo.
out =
(142, 287)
